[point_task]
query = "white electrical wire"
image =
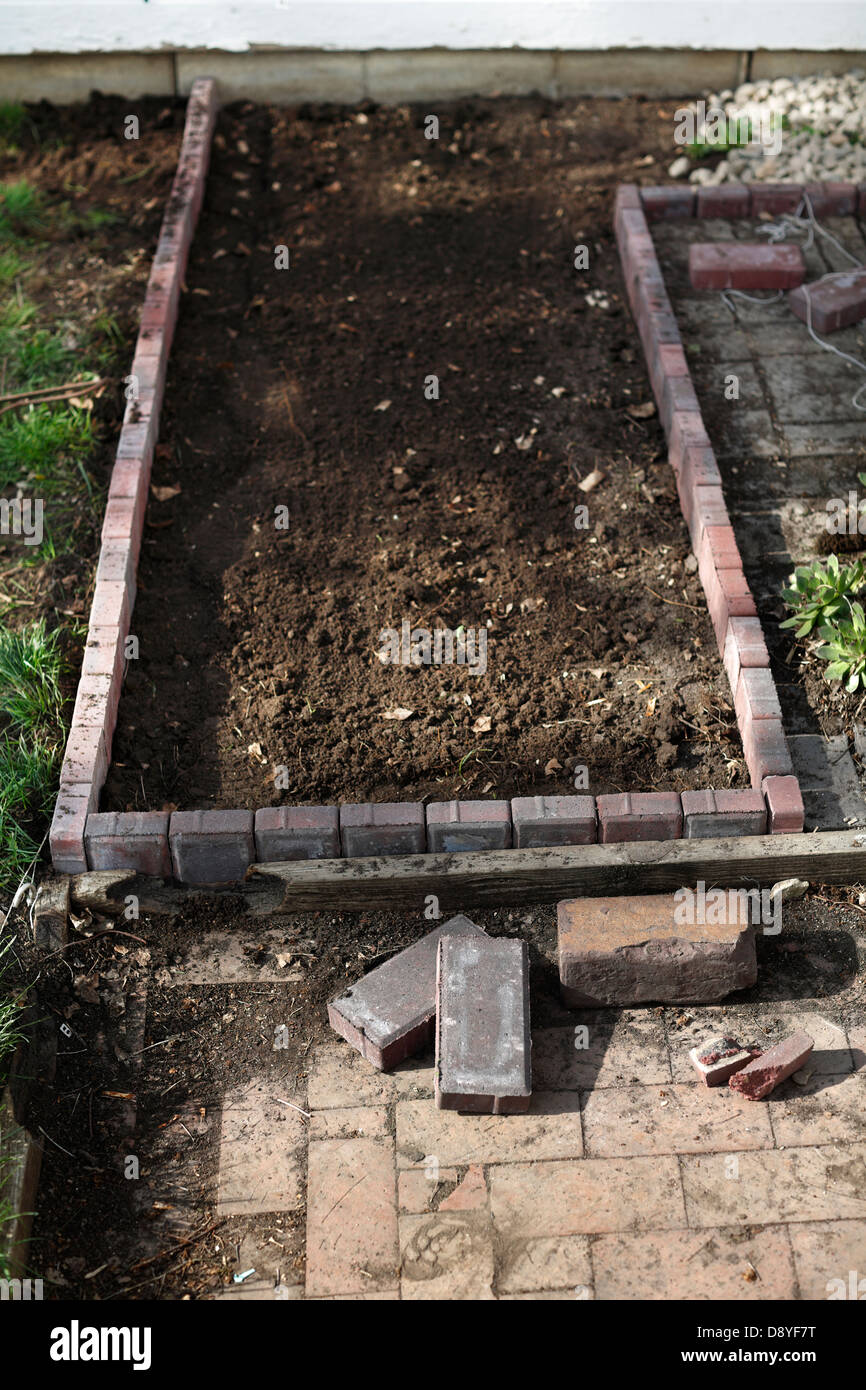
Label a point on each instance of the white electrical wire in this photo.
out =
(789, 224)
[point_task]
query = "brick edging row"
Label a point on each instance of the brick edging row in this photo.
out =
(220, 846)
(699, 483)
(88, 747)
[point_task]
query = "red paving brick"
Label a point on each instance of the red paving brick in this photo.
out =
(130, 840)
(639, 816)
(553, 820)
(834, 302)
(635, 950)
(741, 265)
(388, 1015)
(765, 1073)
(709, 814)
(297, 832)
(352, 1236)
(784, 804)
(669, 201)
(387, 827)
(727, 200)
(483, 1043)
(458, 826)
(211, 846)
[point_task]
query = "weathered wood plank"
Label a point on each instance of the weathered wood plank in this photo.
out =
(514, 877)
(496, 878)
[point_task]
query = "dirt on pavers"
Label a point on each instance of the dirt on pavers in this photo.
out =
(234, 1003)
(259, 679)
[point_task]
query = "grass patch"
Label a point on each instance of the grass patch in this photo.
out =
(30, 668)
(22, 212)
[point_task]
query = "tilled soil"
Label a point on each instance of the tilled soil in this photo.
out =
(259, 679)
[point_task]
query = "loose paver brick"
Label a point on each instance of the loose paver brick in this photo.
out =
(784, 805)
(685, 1265)
(553, 820)
(630, 816)
(834, 302)
(742, 265)
(211, 846)
(387, 827)
(615, 951)
(389, 1014)
(455, 826)
(131, 840)
(483, 1044)
(591, 1196)
(297, 832)
(627, 1121)
(765, 1073)
(710, 814)
(352, 1237)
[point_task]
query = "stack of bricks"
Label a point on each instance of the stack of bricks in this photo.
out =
(466, 990)
(729, 599)
(88, 748)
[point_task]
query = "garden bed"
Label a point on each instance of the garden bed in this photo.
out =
(412, 257)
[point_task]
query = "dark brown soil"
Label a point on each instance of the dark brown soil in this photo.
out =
(409, 258)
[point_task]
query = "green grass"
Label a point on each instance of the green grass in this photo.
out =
(30, 667)
(13, 119)
(41, 445)
(11, 267)
(22, 211)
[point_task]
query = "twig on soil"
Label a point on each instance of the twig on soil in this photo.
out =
(673, 602)
(293, 1107)
(190, 1240)
(45, 395)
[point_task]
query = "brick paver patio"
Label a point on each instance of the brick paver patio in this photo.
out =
(626, 1179)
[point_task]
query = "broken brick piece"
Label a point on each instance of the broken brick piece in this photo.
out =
(717, 1060)
(388, 1015)
(744, 265)
(836, 301)
(637, 950)
(483, 1042)
(765, 1073)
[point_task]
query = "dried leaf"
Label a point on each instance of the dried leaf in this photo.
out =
(483, 724)
(642, 412)
(163, 494)
(398, 713)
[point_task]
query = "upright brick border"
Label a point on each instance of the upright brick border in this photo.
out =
(88, 748)
(729, 600)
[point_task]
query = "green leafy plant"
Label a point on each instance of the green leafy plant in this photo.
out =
(821, 592)
(844, 648)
